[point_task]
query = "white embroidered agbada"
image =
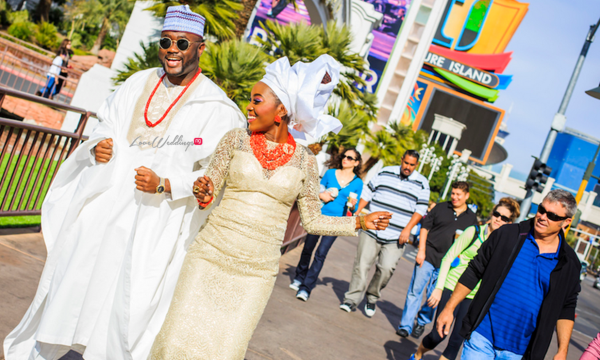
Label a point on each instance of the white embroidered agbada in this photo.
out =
(114, 253)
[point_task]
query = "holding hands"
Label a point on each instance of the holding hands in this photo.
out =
(203, 189)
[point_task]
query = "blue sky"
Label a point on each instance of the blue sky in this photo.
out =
(545, 48)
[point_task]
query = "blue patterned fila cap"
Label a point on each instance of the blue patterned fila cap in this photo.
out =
(181, 18)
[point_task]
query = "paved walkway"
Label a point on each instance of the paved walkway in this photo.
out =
(290, 329)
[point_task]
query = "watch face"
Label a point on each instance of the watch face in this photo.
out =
(160, 189)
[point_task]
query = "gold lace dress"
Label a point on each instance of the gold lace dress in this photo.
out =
(229, 271)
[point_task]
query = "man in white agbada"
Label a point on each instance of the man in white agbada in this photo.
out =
(115, 239)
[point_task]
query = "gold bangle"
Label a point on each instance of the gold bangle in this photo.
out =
(363, 225)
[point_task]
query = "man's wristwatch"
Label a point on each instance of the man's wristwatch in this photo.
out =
(161, 186)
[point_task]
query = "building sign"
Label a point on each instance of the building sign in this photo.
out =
(281, 12)
(479, 26)
(384, 37)
(470, 73)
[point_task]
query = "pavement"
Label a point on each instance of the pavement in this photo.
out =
(291, 329)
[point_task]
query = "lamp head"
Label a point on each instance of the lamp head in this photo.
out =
(594, 92)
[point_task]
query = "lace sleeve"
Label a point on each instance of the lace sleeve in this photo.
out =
(218, 168)
(310, 207)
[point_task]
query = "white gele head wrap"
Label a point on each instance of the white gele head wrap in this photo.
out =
(181, 18)
(304, 90)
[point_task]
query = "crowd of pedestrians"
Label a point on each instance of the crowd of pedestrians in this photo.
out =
(469, 270)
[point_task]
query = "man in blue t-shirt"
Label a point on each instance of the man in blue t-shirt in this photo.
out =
(529, 286)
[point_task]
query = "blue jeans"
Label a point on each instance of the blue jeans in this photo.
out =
(480, 348)
(309, 276)
(424, 276)
(50, 89)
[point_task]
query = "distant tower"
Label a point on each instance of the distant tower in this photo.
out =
(446, 132)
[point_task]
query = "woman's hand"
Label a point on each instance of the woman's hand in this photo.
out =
(326, 196)
(378, 220)
(203, 189)
(435, 298)
(353, 201)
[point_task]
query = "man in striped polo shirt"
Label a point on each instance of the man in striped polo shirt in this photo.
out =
(404, 192)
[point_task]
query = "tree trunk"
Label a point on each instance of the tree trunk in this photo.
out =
(369, 164)
(43, 10)
(243, 16)
(101, 36)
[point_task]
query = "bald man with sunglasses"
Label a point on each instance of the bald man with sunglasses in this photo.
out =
(121, 211)
(529, 286)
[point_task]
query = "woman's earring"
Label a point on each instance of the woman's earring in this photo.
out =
(277, 120)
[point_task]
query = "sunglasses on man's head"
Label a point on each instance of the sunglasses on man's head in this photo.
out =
(349, 158)
(182, 44)
(551, 216)
(506, 219)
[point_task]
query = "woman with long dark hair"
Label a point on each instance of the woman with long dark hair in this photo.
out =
(340, 188)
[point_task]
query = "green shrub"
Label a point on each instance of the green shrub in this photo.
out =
(45, 35)
(18, 16)
(23, 30)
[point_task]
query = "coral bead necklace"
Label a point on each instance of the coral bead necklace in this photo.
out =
(274, 158)
(150, 124)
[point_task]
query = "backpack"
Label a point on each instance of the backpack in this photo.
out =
(456, 261)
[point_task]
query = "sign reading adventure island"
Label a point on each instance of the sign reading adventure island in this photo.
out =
(476, 75)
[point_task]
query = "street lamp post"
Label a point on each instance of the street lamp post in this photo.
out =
(558, 124)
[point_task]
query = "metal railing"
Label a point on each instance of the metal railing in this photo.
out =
(30, 156)
(26, 70)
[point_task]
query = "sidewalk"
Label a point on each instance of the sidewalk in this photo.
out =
(290, 329)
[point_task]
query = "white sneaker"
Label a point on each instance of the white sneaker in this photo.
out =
(346, 307)
(295, 285)
(302, 295)
(370, 309)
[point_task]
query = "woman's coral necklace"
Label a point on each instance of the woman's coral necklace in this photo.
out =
(272, 159)
(172, 104)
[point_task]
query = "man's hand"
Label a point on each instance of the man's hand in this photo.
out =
(435, 298)
(420, 257)
(104, 151)
(404, 236)
(560, 356)
(146, 180)
(444, 322)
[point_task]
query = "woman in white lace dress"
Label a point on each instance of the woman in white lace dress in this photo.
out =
(230, 270)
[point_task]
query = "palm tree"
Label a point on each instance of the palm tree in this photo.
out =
(219, 14)
(297, 41)
(110, 14)
(235, 66)
(147, 59)
(356, 126)
(380, 146)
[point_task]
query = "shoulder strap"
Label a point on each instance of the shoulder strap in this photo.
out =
(475, 236)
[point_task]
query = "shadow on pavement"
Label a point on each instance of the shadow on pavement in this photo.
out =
(399, 350)
(339, 286)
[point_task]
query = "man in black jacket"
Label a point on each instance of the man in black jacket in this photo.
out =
(529, 285)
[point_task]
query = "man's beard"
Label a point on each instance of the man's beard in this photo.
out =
(184, 66)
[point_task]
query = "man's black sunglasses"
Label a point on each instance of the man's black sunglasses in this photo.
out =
(506, 219)
(182, 44)
(348, 157)
(552, 216)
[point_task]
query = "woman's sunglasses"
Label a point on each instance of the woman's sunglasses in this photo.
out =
(506, 219)
(182, 44)
(349, 158)
(551, 216)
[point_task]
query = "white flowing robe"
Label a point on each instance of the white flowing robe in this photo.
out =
(114, 252)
